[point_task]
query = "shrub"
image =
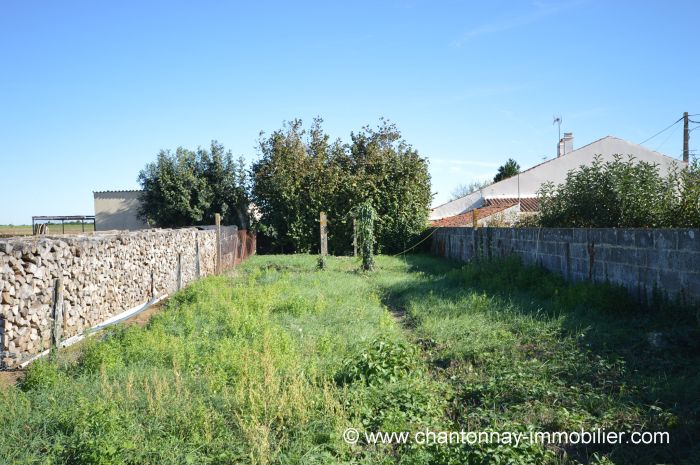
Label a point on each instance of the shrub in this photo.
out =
(384, 360)
(40, 374)
(622, 193)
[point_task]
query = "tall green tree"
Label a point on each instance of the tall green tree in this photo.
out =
(281, 178)
(300, 173)
(507, 170)
(394, 178)
(187, 188)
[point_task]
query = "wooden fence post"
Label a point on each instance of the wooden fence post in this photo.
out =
(179, 271)
(197, 270)
(57, 313)
(324, 234)
(354, 237)
(475, 221)
(217, 221)
(236, 244)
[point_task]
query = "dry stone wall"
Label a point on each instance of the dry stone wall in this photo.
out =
(645, 261)
(103, 274)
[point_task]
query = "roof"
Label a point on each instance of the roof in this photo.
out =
(527, 204)
(555, 170)
(117, 191)
(661, 155)
(491, 207)
(64, 218)
(467, 218)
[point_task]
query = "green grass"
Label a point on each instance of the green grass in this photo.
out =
(272, 365)
(8, 230)
(520, 347)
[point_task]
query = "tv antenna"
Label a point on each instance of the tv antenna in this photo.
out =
(557, 121)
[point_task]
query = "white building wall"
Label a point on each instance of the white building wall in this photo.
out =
(117, 210)
(529, 181)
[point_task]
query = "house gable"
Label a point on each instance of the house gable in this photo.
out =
(528, 182)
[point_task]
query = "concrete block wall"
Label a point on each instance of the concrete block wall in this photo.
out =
(103, 274)
(642, 260)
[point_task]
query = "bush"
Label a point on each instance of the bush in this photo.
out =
(383, 361)
(40, 374)
(622, 193)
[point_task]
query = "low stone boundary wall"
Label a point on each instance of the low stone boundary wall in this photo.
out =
(103, 274)
(644, 261)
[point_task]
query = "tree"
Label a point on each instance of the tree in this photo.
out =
(395, 179)
(226, 180)
(465, 189)
(292, 182)
(507, 170)
(300, 173)
(187, 188)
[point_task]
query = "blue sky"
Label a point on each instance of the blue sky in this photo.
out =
(91, 91)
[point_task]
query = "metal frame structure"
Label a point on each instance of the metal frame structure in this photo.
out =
(63, 219)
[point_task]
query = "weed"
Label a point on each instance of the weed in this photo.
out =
(272, 366)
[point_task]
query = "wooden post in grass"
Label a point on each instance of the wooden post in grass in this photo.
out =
(354, 237)
(324, 234)
(217, 222)
(197, 271)
(179, 271)
(153, 286)
(57, 313)
(235, 249)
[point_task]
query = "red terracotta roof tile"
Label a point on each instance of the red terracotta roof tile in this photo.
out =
(466, 219)
(527, 204)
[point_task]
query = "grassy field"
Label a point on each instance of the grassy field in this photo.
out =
(272, 366)
(7, 230)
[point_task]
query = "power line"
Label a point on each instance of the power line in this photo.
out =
(662, 131)
(435, 228)
(667, 138)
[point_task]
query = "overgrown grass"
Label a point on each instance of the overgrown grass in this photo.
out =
(520, 348)
(273, 365)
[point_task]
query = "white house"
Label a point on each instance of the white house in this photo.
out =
(518, 194)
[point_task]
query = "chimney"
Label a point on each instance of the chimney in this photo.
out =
(566, 144)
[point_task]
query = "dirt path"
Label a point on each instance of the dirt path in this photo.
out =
(144, 317)
(9, 378)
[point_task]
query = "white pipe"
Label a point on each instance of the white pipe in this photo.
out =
(97, 328)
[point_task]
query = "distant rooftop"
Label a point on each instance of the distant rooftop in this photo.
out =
(115, 191)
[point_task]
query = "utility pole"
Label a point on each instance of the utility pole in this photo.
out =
(686, 137)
